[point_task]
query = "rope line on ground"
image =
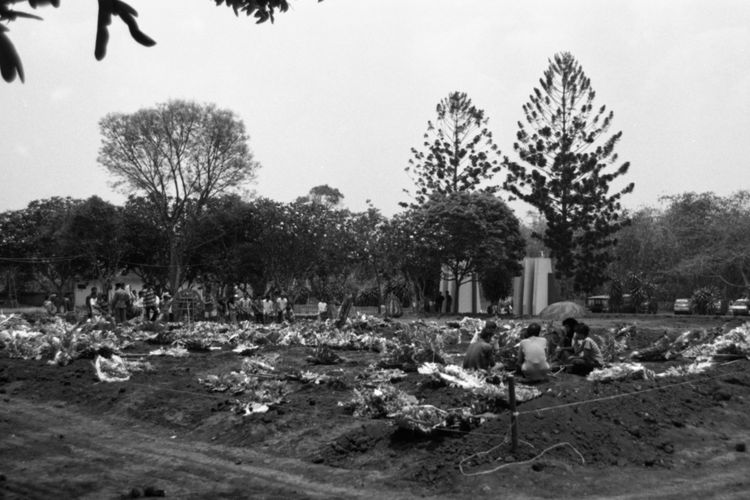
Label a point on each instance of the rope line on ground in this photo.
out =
(625, 394)
(42, 260)
(521, 462)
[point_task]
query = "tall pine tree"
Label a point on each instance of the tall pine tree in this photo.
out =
(565, 173)
(458, 154)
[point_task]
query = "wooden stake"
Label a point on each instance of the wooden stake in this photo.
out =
(513, 413)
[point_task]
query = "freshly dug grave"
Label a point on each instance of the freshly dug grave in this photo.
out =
(675, 425)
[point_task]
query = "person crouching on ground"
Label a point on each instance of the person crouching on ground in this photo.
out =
(565, 349)
(532, 354)
(49, 304)
(587, 355)
(479, 355)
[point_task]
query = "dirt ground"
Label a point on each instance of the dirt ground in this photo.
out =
(63, 434)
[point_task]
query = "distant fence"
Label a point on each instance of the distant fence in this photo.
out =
(312, 310)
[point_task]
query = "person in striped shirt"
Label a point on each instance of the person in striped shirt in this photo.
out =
(150, 309)
(586, 353)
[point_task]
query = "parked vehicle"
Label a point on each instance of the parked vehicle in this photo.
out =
(682, 306)
(740, 307)
(601, 304)
(598, 303)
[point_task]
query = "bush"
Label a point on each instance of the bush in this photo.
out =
(704, 300)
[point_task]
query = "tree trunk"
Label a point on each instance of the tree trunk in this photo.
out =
(380, 293)
(175, 265)
(344, 311)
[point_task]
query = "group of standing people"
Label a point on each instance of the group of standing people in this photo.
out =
(126, 303)
(443, 299)
(54, 304)
(242, 306)
(572, 350)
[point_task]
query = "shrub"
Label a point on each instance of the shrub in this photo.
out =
(704, 300)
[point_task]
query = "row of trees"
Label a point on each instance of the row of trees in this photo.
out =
(694, 241)
(185, 166)
(566, 166)
(308, 246)
(312, 245)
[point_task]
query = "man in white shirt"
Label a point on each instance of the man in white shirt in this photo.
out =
(532, 354)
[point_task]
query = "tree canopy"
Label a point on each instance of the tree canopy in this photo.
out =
(178, 155)
(458, 151)
(472, 233)
(323, 194)
(37, 239)
(697, 240)
(564, 172)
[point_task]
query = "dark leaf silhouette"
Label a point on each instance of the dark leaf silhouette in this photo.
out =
(10, 63)
(102, 33)
(108, 8)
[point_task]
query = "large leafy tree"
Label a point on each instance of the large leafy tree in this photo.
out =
(285, 246)
(473, 233)
(458, 152)
(95, 231)
(146, 256)
(696, 240)
(179, 156)
(566, 170)
(323, 194)
(10, 62)
(225, 248)
(709, 237)
(408, 242)
(35, 239)
(377, 251)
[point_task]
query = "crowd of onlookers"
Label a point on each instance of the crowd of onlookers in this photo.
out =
(125, 303)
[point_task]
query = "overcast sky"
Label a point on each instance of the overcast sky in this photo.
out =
(338, 92)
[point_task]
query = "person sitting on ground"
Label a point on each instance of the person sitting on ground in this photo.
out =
(532, 354)
(49, 304)
(565, 348)
(479, 355)
(587, 355)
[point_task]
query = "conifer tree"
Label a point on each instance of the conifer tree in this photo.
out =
(458, 153)
(568, 163)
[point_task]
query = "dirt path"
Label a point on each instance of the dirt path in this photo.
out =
(54, 452)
